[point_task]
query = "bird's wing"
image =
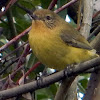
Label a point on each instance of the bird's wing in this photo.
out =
(73, 38)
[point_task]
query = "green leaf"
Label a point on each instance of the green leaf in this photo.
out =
(27, 3)
(22, 24)
(53, 89)
(3, 40)
(45, 3)
(43, 94)
(31, 60)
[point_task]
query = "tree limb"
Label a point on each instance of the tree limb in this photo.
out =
(87, 17)
(44, 82)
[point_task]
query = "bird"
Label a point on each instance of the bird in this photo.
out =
(56, 43)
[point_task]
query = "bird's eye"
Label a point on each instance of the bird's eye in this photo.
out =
(48, 17)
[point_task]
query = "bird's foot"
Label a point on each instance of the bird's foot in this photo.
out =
(68, 70)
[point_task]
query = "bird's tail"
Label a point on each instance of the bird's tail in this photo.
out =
(93, 53)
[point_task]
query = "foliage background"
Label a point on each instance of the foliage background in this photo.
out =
(15, 21)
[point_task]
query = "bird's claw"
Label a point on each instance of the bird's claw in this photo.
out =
(68, 70)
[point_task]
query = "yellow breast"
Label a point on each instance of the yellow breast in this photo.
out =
(51, 50)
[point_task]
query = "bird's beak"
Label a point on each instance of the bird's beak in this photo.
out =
(34, 17)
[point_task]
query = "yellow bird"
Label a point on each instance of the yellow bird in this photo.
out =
(56, 43)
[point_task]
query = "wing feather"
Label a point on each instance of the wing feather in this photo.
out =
(75, 39)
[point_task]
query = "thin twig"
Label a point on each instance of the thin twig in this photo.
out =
(96, 14)
(94, 33)
(52, 4)
(15, 39)
(25, 9)
(30, 70)
(93, 70)
(12, 76)
(96, 21)
(19, 64)
(6, 67)
(14, 51)
(65, 6)
(11, 2)
(23, 56)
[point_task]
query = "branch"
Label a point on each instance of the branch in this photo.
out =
(45, 81)
(25, 9)
(23, 56)
(65, 6)
(30, 70)
(12, 27)
(96, 14)
(94, 82)
(15, 39)
(14, 51)
(93, 70)
(52, 4)
(12, 76)
(79, 15)
(11, 2)
(96, 43)
(6, 67)
(72, 91)
(87, 17)
(63, 89)
(94, 33)
(19, 64)
(11, 23)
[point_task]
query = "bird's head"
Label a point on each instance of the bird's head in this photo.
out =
(49, 18)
